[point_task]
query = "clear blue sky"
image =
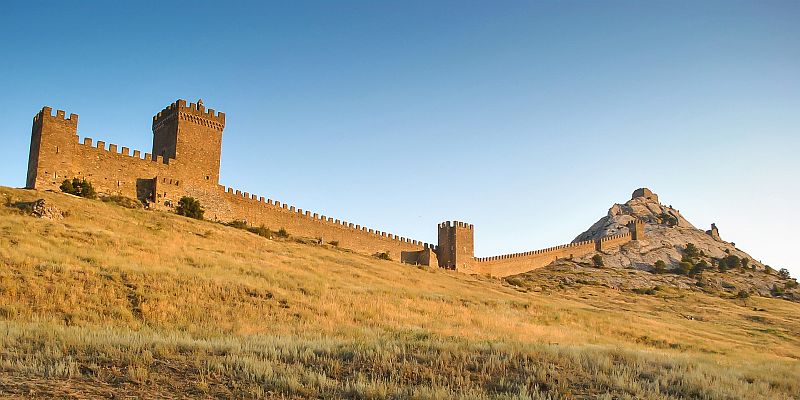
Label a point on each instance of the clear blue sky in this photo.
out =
(527, 119)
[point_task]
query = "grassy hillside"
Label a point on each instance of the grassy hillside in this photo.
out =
(112, 300)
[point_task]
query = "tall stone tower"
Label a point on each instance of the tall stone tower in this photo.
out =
(456, 245)
(52, 142)
(636, 228)
(193, 136)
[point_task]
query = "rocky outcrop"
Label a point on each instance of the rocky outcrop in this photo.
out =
(40, 209)
(667, 234)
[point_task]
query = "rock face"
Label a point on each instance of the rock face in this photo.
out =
(667, 233)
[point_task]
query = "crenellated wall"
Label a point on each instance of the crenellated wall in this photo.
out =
(257, 210)
(517, 263)
(185, 160)
(609, 242)
(188, 138)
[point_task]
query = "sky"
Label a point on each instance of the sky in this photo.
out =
(526, 119)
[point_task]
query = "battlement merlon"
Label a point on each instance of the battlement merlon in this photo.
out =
(47, 112)
(194, 112)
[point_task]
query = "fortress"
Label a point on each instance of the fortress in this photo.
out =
(185, 161)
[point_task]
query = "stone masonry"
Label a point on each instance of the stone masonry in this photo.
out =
(185, 161)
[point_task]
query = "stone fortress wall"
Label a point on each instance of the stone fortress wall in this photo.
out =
(185, 160)
(517, 263)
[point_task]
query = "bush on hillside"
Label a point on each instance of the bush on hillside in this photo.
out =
(282, 233)
(78, 187)
(238, 224)
(699, 267)
(648, 291)
(691, 251)
(784, 273)
(260, 231)
(729, 262)
(684, 268)
(745, 261)
(190, 207)
(659, 267)
(597, 260)
(383, 255)
(667, 219)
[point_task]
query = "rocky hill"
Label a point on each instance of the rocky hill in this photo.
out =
(667, 234)
(692, 258)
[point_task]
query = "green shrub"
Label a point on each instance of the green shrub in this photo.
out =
(597, 260)
(729, 262)
(791, 284)
(238, 224)
(667, 219)
(777, 290)
(684, 268)
(648, 291)
(78, 187)
(691, 251)
(383, 255)
(784, 273)
(743, 294)
(514, 281)
(260, 231)
(282, 233)
(190, 207)
(698, 268)
(659, 267)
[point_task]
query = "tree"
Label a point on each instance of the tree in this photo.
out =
(597, 260)
(691, 250)
(698, 268)
(729, 262)
(78, 187)
(190, 207)
(659, 267)
(684, 267)
(743, 294)
(784, 273)
(744, 262)
(67, 187)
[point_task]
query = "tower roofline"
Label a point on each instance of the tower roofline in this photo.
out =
(194, 112)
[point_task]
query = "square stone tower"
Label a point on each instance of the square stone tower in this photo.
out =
(191, 135)
(456, 245)
(53, 139)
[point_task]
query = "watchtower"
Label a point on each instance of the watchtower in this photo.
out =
(637, 229)
(191, 135)
(52, 141)
(456, 244)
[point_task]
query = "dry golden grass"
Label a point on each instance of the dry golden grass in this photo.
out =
(115, 300)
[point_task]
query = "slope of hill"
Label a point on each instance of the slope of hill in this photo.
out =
(98, 300)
